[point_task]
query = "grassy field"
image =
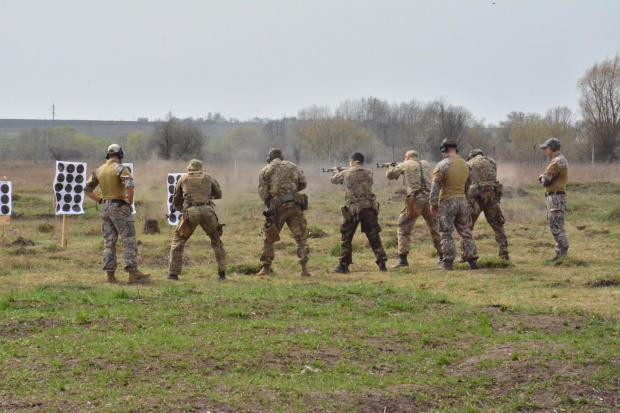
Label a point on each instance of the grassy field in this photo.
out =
(528, 337)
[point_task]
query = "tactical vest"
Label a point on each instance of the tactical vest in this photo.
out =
(110, 181)
(196, 188)
(455, 179)
(484, 171)
(559, 182)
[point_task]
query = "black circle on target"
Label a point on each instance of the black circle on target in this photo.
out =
(58, 197)
(58, 187)
(170, 179)
(60, 178)
(78, 189)
(173, 218)
(77, 199)
(4, 199)
(4, 189)
(80, 169)
(75, 208)
(68, 188)
(66, 207)
(70, 168)
(79, 179)
(170, 199)
(69, 178)
(4, 209)
(67, 198)
(57, 207)
(171, 189)
(61, 167)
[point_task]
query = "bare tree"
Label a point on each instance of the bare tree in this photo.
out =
(600, 105)
(176, 140)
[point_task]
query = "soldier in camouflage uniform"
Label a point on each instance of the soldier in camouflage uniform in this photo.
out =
(117, 193)
(485, 194)
(417, 175)
(449, 204)
(194, 194)
(279, 184)
(554, 180)
(361, 207)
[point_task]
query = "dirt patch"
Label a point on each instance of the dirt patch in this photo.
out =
(546, 323)
(604, 282)
(370, 401)
(245, 269)
(151, 226)
(21, 329)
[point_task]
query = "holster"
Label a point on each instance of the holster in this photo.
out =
(302, 201)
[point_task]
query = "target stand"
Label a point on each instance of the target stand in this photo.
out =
(69, 182)
(6, 202)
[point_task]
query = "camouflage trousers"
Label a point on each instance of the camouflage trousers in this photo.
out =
(369, 220)
(556, 210)
(204, 216)
(406, 222)
(289, 213)
(454, 213)
(494, 216)
(118, 221)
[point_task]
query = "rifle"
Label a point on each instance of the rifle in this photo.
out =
(386, 164)
(334, 169)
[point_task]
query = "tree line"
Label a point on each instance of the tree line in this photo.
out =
(376, 127)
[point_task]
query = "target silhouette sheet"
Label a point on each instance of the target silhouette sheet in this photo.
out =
(173, 216)
(131, 171)
(69, 187)
(6, 198)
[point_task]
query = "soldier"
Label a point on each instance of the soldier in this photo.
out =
(360, 207)
(117, 193)
(449, 204)
(485, 194)
(417, 175)
(194, 194)
(279, 184)
(554, 180)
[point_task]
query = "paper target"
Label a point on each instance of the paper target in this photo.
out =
(131, 171)
(173, 218)
(69, 187)
(6, 198)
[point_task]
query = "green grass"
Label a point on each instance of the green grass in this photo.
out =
(522, 336)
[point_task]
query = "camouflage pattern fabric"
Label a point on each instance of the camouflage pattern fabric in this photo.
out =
(555, 177)
(204, 216)
(450, 179)
(368, 218)
(118, 221)
(556, 211)
(280, 178)
(357, 181)
(289, 213)
(454, 213)
(410, 169)
(406, 224)
(485, 196)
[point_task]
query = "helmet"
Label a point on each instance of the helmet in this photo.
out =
(411, 154)
(274, 153)
(115, 149)
(551, 143)
(194, 165)
(358, 157)
(447, 143)
(475, 152)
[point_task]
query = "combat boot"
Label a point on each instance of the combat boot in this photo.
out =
(473, 265)
(112, 278)
(173, 277)
(342, 268)
(505, 257)
(446, 265)
(265, 270)
(222, 275)
(138, 277)
(401, 263)
(304, 270)
(382, 267)
(440, 258)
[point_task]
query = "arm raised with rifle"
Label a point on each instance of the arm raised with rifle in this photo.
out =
(386, 164)
(334, 169)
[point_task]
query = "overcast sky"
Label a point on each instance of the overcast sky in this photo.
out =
(122, 59)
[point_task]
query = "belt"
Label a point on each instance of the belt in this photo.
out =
(197, 204)
(114, 201)
(555, 193)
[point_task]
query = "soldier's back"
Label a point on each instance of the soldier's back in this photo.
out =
(483, 170)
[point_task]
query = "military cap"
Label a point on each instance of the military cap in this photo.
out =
(194, 165)
(475, 152)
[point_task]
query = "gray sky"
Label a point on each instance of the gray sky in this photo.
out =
(121, 59)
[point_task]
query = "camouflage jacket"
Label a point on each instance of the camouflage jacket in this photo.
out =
(357, 181)
(555, 177)
(417, 175)
(483, 170)
(450, 180)
(280, 178)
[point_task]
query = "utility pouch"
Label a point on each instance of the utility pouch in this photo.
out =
(302, 201)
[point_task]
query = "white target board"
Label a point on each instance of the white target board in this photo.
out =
(131, 171)
(6, 198)
(173, 218)
(69, 187)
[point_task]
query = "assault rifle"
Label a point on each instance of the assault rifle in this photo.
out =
(334, 169)
(386, 164)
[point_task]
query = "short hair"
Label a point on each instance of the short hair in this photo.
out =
(357, 157)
